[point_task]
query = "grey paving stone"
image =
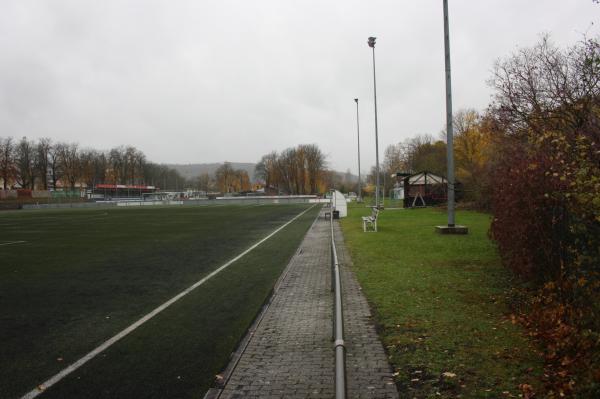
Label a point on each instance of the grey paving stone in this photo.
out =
(368, 372)
(290, 355)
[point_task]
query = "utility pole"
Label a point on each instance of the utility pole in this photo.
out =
(449, 122)
(451, 228)
(359, 199)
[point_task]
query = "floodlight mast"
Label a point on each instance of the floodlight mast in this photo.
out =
(371, 44)
(359, 199)
(449, 123)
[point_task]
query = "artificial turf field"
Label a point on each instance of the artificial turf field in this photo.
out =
(81, 276)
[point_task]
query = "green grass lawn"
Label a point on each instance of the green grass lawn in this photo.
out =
(440, 304)
(83, 275)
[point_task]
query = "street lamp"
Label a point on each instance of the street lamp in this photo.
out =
(451, 228)
(359, 199)
(371, 43)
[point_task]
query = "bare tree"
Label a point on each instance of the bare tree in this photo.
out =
(42, 154)
(417, 154)
(54, 163)
(315, 165)
(93, 166)
(544, 87)
(7, 161)
(139, 162)
(116, 159)
(225, 176)
(133, 161)
(296, 170)
(70, 163)
(100, 167)
(393, 160)
(25, 162)
(241, 180)
(301, 175)
(287, 169)
(204, 182)
(267, 170)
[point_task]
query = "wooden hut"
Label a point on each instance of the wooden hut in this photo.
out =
(421, 189)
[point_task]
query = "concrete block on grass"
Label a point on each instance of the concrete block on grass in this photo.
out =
(456, 229)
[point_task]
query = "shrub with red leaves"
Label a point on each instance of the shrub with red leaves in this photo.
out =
(546, 203)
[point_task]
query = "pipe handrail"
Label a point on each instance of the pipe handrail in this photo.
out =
(338, 320)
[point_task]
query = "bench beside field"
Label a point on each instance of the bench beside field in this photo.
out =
(371, 220)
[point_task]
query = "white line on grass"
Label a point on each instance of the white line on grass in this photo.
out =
(106, 344)
(12, 242)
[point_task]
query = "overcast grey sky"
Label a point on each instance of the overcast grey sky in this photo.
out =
(208, 81)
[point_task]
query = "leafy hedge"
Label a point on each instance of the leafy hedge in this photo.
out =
(546, 203)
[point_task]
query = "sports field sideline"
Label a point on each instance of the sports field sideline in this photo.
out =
(70, 280)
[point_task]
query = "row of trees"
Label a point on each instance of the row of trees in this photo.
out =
(297, 170)
(43, 164)
(228, 180)
(472, 151)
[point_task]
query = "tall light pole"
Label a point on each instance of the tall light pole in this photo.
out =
(451, 228)
(449, 124)
(358, 134)
(371, 43)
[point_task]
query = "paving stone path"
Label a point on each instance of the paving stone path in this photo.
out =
(289, 352)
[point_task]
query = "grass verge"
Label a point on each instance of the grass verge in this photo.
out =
(440, 304)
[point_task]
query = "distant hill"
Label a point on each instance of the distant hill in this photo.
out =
(192, 170)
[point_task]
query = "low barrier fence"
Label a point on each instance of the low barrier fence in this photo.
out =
(304, 199)
(338, 320)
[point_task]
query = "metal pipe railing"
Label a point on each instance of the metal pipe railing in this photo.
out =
(338, 321)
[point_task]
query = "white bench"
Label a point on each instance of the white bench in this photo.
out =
(371, 220)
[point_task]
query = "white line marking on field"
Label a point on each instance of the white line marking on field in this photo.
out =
(106, 344)
(12, 242)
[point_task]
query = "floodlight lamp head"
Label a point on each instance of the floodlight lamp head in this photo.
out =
(371, 41)
(356, 100)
